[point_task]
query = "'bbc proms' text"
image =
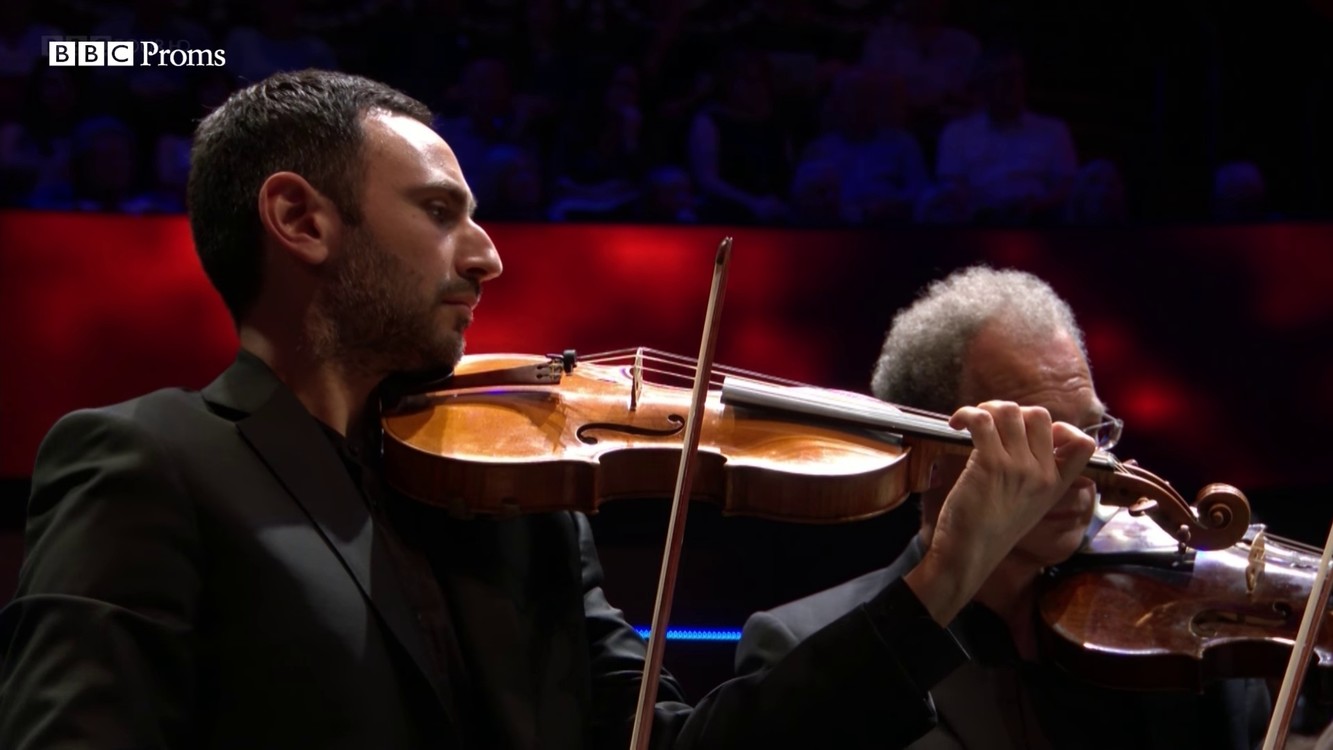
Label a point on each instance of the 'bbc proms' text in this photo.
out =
(65, 52)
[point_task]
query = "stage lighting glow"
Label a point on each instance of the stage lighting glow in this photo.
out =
(695, 634)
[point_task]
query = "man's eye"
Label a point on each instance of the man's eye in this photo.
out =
(439, 212)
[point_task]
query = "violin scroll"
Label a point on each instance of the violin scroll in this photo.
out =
(1218, 519)
(1221, 506)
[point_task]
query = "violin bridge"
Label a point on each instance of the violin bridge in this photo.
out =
(636, 379)
(1256, 563)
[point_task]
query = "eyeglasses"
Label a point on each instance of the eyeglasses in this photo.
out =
(1106, 432)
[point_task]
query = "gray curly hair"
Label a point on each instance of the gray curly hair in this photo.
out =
(922, 359)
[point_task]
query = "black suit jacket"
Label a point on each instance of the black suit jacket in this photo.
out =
(991, 702)
(202, 572)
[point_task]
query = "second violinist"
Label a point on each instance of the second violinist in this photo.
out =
(1015, 339)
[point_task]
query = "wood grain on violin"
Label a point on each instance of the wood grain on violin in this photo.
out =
(604, 433)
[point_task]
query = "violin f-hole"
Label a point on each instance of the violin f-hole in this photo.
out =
(677, 421)
(1212, 622)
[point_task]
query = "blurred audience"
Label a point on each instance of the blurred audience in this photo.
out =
(276, 42)
(1011, 165)
(140, 93)
(104, 172)
(792, 112)
(668, 197)
(598, 156)
(932, 59)
(414, 45)
(1239, 194)
(36, 148)
(509, 185)
(941, 205)
(740, 152)
(1097, 197)
(816, 195)
(488, 115)
(22, 54)
(22, 41)
(880, 165)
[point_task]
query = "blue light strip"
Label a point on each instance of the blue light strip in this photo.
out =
(695, 634)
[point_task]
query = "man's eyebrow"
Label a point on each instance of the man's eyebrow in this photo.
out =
(452, 189)
(1098, 412)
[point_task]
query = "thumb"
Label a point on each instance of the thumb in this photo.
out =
(1073, 448)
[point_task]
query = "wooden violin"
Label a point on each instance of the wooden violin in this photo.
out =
(1134, 611)
(514, 433)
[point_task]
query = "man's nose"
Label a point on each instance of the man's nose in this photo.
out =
(478, 258)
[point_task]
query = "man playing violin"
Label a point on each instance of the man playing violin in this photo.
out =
(226, 568)
(986, 334)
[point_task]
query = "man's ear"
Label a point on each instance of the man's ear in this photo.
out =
(299, 218)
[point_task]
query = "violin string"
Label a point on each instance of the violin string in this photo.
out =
(682, 372)
(663, 356)
(921, 420)
(668, 374)
(679, 367)
(685, 363)
(628, 357)
(613, 354)
(712, 382)
(931, 420)
(930, 423)
(1297, 545)
(915, 420)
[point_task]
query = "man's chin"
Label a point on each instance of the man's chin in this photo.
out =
(446, 356)
(440, 357)
(427, 374)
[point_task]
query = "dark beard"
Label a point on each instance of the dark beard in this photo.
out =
(374, 318)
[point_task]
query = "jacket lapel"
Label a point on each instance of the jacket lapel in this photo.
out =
(294, 447)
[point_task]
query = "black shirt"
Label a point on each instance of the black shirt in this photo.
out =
(398, 528)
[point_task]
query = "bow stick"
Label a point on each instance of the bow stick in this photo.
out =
(1301, 651)
(666, 583)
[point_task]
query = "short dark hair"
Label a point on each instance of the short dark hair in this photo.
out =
(307, 122)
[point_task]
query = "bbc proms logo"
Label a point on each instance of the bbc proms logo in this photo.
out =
(68, 52)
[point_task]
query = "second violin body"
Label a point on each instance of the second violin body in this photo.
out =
(1134, 612)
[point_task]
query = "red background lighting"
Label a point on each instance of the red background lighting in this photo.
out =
(1212, 343)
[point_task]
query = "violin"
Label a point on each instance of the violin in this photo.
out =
(1135, 611)
(513, 433)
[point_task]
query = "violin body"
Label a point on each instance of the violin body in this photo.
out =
(602, 433)
(1163, 619)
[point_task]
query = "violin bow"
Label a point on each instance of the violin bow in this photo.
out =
(1280, 722)
(666, 583)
